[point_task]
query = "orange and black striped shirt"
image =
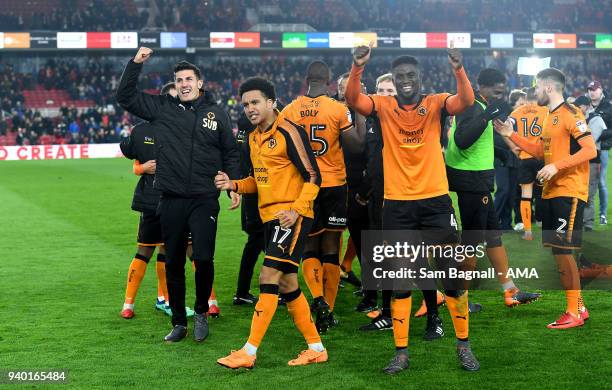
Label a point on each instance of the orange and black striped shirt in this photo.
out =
(283, 171)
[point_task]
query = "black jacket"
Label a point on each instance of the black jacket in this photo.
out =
(249, 211)
(374, 146)
(605, 111)
(195, 139)
(355, 163)
(140, 145)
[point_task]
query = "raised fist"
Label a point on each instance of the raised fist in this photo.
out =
(361, 54)
(143, 54)
(454, 56)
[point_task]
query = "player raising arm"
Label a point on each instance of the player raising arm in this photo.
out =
(416, 194)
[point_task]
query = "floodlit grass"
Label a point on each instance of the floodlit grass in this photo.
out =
(67, 235)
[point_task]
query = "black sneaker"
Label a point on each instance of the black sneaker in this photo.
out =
(467, 359)
(200, 328)
(399, 363)
(514, 297)
(332, 321)
(247, 299)
(434, 329)
(379, 323)
(474, 307)
(320, 309)
(178, 333)
(366, 306)
(281, 301)
(351, 278)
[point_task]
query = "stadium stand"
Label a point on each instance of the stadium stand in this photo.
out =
(73, 100)
(323, 15)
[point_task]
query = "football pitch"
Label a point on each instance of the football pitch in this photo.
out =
(67, 236)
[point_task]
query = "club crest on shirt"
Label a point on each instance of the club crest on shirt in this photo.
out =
(581, 126)
(149, 140)
(272, 143)
(555, 120)
(422, 111)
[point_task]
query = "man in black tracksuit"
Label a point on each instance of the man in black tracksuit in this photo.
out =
(195, 142)
(250, 221)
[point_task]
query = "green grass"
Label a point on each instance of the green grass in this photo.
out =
(67, 235)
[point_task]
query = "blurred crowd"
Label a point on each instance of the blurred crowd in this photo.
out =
(96, 79)
(323, 15)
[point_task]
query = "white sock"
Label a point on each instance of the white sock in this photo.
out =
(161, 299)
(213, 302)
(250, 349)
(128, 306)
(316, 347)
(508, 284)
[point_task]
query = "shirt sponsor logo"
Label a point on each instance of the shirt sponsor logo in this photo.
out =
(581, 126)
(333, 220)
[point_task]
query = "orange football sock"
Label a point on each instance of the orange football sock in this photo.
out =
(458, 309)
(312, 270)
(570, 279)
(162, 288)
(349, 256)
(262, 316)
(213, 296)
(135, 274)
(526, 213)
(299, 310)
(400, 312)
(331, 278)
(573, 301)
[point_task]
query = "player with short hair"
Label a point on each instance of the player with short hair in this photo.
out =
(416, 187)
(385, 86)
(380, 319)
(197, 141)
(140, 147)
(286, 178)
(471, 174)
(329, 127)
(566, 145)
(354, 176)
(528, 120)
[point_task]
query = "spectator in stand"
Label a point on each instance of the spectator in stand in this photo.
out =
(223, 78)
(336, 15)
